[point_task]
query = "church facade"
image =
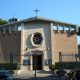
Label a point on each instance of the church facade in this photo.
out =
(38, 42)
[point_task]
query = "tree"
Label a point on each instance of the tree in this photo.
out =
(3, 22)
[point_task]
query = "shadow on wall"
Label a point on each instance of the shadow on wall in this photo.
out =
(28, 42)
(10, 43)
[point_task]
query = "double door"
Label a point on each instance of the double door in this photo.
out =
(37, 62)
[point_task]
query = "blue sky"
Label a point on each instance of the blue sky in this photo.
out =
(63, 10)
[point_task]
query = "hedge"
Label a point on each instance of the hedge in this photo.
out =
(65, 65)
(7, 66)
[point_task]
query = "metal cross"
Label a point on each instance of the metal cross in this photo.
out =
(36, 11)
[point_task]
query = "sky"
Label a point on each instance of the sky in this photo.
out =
(61, 10)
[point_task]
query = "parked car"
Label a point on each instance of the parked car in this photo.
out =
(6, 75)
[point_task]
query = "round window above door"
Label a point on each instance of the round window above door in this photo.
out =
(36, 39)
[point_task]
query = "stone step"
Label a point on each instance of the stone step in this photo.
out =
(40, 73)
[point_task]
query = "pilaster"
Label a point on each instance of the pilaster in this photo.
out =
(22, 45)
(16, 28)
(9, 29)
(52, 49)
(4, 30)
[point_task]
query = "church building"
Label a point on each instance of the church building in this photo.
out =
(38, 42)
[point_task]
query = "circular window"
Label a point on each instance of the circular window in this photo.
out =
(37, 39)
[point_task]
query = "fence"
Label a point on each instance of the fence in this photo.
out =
(68, 61)
(69, 57)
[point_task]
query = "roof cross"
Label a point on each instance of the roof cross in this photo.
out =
(36, 11)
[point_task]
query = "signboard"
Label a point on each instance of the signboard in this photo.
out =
(48, 62)
(26, 62)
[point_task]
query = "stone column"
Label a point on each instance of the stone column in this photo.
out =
(52, 46)
(16, 28)
(63, 28)
(9, 29)
(76, 28)
(70, 29)
(31, 62)
(3, 30)
(22, 47)
(44, 59)
(22, 26)
(58, 27)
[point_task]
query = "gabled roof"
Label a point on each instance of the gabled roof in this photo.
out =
(41, 19)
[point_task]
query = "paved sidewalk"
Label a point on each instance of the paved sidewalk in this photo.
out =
(40, 75)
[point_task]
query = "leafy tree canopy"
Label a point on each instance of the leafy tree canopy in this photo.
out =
(3, 22)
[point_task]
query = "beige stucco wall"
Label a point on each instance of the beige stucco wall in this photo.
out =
(10, 43)
(66, 43)
(28, 30)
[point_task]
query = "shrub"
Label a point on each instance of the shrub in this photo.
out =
(52, 67)
(65, 65)
(7, 66)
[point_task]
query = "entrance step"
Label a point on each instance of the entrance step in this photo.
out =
(25, 72)
(39, 73)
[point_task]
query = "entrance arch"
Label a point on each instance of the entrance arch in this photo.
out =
(37, 60)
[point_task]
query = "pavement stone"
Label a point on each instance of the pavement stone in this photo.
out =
(39, 76)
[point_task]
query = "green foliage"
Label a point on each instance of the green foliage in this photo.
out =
(3, 22)
(65, 65)
(7, 66)
(52, 67)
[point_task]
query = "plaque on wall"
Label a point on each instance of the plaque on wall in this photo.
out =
(26, 62)
(48, 62)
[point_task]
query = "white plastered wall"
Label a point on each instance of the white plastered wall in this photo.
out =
(45, 30)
